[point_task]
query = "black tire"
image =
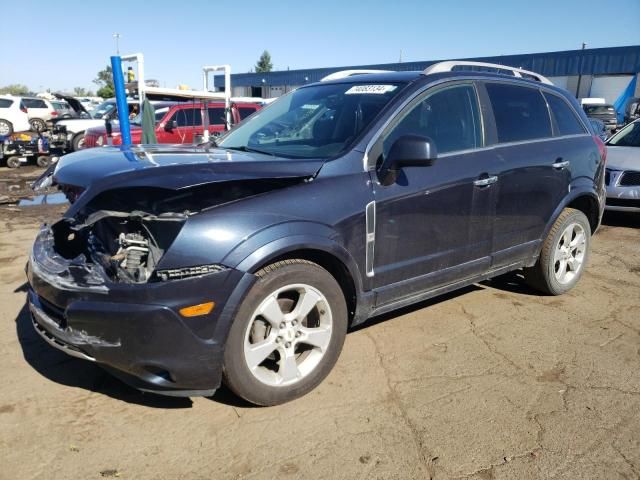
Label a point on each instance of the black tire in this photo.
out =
(13, 162)
(542, 275)
(77, 143)
(37, 124)
(237, 375)
(6, 127)
(43, 161)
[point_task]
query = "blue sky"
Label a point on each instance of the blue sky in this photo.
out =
(61, 44)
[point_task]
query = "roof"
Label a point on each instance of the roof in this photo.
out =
(594, 61)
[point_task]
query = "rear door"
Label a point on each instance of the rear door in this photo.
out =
(533, 173)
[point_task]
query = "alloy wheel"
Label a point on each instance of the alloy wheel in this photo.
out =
(288, 335)
(569, 253)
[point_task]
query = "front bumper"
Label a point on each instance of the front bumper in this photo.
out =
(135, 331)
(621, 197)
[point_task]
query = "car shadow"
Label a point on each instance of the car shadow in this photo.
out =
(65, 370)
(621, 219)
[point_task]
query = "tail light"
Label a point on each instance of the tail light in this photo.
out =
(602, 148)
(54, 114)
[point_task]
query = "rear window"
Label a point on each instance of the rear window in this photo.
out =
(566, 121)
(520, 113)
(599, 109)
(5, 103)
(34, 103)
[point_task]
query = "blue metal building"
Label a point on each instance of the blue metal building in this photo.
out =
(599, 72)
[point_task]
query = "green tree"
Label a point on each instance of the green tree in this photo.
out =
(15, 89)
(264, 63)
(106, 92)
(105, 80)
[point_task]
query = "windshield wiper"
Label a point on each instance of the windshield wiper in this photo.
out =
(244, 148)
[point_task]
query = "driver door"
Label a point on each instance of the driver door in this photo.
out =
(433, 225)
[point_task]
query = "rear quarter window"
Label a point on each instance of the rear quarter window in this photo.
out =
(566, 121)
(520, 112)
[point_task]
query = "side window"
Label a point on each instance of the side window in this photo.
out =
(245, 112)
(5, 103)
(450, 117)
(520, 112)
(216, 115)
(28, 102)
(566, 120)
(188, 117)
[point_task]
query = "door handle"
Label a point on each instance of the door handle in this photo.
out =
(485, 182)
(559, 165)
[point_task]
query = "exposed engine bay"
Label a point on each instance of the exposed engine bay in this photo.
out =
(125, 232)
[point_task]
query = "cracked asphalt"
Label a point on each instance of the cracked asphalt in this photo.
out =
(491, 382)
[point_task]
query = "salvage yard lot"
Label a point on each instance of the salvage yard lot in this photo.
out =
(493, 381)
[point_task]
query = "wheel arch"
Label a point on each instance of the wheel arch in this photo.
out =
(320, 250)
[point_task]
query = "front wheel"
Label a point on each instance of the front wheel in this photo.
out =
(78, 142)
(6, 128)
(564, 254)
(287, 334)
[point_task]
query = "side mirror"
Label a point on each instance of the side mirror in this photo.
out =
(407, 151)
(170, 125)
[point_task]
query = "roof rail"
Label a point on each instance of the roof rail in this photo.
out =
(349, 73)
(517, 72)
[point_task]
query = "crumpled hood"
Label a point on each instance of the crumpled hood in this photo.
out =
(623, 158)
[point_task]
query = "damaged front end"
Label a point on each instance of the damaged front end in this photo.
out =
(121, 235)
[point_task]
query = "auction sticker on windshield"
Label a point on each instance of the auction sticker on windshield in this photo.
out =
(370, 89)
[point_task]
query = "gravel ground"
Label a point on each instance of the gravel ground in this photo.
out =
(492, 382)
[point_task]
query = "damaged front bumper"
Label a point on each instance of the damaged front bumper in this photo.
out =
(133, 330)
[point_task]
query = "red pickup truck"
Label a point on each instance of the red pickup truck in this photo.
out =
(175, 123)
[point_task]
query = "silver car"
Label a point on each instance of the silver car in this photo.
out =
(623, 169)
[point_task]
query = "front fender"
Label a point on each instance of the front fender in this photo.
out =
(290, 237)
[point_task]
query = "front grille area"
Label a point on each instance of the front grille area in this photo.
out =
(629, 179)
(55, 313)
(623, 202)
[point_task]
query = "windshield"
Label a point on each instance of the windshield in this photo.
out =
(103, 109)
(316, 121)
(159, 115)
(629, 136)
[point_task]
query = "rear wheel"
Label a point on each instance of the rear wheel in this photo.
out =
(78, 142)
(6, 128)
(287, 334)
(37, 124)
(564, 254)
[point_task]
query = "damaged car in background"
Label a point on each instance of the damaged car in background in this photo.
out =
(179, 267)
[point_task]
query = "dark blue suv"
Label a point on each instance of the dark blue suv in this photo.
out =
(246, 261)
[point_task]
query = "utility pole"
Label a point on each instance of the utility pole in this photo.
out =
(117, 37)
(584, 45)
(400, 60)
